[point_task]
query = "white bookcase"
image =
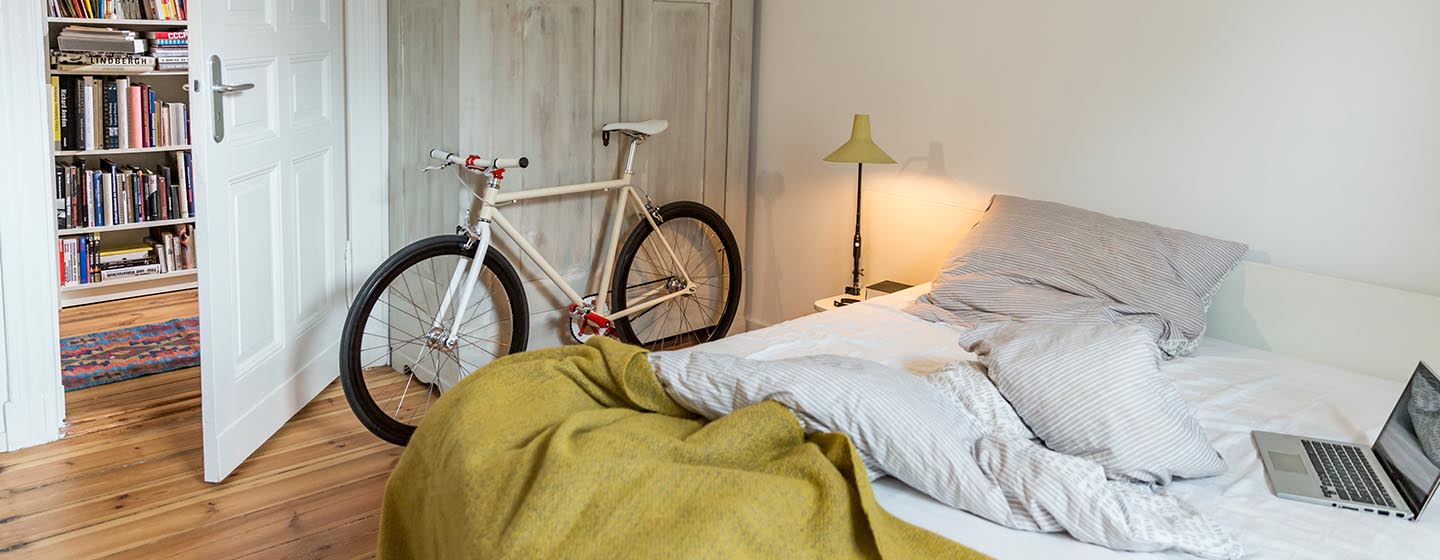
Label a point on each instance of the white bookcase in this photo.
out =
(171, 86)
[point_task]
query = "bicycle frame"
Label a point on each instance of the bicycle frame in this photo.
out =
(484, 212)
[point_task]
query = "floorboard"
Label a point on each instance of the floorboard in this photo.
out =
(126, 482)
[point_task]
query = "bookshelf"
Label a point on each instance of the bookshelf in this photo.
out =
(116, 230)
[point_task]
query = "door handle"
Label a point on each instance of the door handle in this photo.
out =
(218, 89)
(229, 88)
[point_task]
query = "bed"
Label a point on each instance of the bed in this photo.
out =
(1235, 389)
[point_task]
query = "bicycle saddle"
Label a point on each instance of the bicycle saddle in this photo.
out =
(643, 128)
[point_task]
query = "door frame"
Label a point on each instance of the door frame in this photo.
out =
(30, 393)
(32, 399)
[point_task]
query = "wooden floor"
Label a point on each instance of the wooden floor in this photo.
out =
(127, 481)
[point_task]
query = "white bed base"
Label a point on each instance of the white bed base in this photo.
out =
(1364, 328)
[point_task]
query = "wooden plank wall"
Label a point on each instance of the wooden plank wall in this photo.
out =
(539, 78)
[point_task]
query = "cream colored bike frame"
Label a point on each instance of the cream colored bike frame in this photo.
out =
(485, 212)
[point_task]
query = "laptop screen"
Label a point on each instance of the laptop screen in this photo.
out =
(1410, 442)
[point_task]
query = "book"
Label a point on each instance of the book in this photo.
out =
(86, 44)
(84, 102)
(123, 253)
(97, 112)
(168, 35)
(137, 127)
(55, 112)
(63, 102)
(112, 116)
(122, 108)
(101, 62)
(129, 271)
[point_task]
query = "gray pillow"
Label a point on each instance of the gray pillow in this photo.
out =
(1096, 392)
(1046, 262)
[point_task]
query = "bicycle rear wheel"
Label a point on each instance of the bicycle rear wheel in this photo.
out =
(394, 362)
(705, 248)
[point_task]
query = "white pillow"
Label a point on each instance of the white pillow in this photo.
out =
(1096, 391)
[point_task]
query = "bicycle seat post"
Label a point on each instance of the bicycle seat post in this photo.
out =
(635, 140)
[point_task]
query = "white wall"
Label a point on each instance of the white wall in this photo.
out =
(1309, 129)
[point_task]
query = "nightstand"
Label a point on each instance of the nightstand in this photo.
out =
(828, 303)
(874, 290)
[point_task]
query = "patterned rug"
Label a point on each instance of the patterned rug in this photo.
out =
(110, 356)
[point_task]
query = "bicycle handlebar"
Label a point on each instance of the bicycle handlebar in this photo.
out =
(477, 162)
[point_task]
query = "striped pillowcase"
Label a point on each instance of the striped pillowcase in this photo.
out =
(1096, 392)
(1046, 262)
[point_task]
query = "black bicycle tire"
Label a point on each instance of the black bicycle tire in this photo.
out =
(671, 211)
(352, 374)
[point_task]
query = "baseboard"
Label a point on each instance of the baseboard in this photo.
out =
(30, 423)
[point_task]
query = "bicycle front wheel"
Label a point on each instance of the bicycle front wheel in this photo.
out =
(394, 357)
(704, 248)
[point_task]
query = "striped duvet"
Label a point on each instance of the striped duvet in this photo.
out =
(951, 435)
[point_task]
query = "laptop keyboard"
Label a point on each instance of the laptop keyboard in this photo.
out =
(1345, 474)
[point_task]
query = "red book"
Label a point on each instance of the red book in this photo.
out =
(162, 205)
(62, 262)
(136, 134)
(147, 135)
(169, 34)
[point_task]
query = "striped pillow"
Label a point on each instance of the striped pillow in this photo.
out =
(1096, 392)
(1041, 261)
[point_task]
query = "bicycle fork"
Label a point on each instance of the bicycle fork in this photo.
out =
(467, 271)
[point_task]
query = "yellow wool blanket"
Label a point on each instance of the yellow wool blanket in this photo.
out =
(577, 452)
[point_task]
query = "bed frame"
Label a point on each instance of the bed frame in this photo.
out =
(1364, 328)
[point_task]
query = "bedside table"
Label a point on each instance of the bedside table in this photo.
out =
(828, 303)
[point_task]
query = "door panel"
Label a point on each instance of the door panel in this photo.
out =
(546, 102)
(677, 67)
(272, 225)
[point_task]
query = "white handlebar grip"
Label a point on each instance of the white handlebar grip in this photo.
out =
(439, 154)
(506, 163)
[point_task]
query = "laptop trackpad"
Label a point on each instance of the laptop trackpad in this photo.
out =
(1287, 462)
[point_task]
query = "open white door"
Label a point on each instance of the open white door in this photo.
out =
(272, 219)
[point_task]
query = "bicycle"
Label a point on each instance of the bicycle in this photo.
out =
(674, 283)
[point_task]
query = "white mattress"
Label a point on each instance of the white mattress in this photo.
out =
(1235, 390)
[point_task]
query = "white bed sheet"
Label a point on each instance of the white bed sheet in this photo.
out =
(1235, 389)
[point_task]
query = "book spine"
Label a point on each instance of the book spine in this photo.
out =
(70, 204)
(154, 134)
(55, 111)
(149, 100)
(93, 207)
(112, 116)
(190, 184)
(83, 255)
(62, 100)
(122, 110)
(60, 196)
(182, 206)
(136, 126)
(83, 110)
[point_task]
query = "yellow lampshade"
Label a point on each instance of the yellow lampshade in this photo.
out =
(860, 148)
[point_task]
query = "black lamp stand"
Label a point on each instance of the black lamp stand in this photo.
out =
(854, 288)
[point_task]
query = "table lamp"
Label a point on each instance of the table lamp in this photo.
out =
(860, 150)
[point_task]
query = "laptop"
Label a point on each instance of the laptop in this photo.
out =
(1394, 478)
